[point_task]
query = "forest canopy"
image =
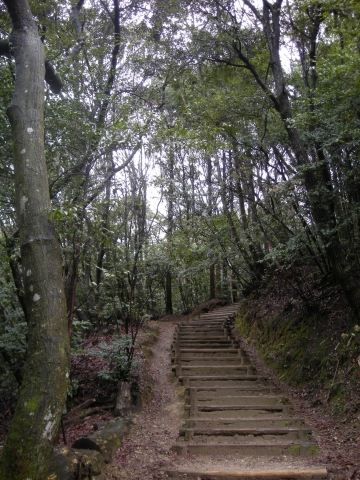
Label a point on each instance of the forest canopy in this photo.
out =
(191, 150)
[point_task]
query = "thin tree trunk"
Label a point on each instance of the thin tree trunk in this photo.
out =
(168, 293)
(170, 228)
(212, 273)
(36, 420)
(317, 179)
(100, 259)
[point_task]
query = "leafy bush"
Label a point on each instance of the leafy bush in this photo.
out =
(120, 355)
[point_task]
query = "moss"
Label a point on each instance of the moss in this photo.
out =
(339, 408)
(295, 450)
(314, 451)
(242, 324)
(294, 347)
(153, 336)
(314, 345)
(285, 348)
(33, 404)
(147, 352)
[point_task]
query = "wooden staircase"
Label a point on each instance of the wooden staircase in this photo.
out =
(230, 409)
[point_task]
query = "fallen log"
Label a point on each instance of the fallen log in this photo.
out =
(83, 405)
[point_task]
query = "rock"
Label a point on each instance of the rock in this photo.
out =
(69, 464)
(88, 455)
(85, 443)
(109, 439)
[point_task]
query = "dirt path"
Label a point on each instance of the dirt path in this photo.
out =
(146, 454)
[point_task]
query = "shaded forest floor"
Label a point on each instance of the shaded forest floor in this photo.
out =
(327, 396)
(145, 453)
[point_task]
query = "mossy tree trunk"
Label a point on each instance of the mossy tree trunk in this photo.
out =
(29, 444)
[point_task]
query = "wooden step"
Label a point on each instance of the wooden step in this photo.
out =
(291, 433)
(200, 337)
(277, 421)
(214, 370)
(271, 474)
(223, 343)
(242, 390)
(221, 380)
(229, 409)
(210, 352)
(220, 329)
(239, 410)
(257, 449)
(243, 400)
(220, 360)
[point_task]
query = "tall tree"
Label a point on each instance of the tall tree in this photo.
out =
(247, 36)
(36, 420)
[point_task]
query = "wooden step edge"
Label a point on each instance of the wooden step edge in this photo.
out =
(245, 419)
(242, 361)
(245, 431)
(188, 368)
(313, 473)
(296, 448)
(215, 408)
(206, 343)
(193, 359)
(202, 336)
(241, 388)
(222, 377)
(205, 350)
(295, 444)
(281, 399)
(205, 320)
(222, 369)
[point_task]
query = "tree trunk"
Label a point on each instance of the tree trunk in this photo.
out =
(212, 278)
(212, 273)
(168, 293)
(170, 227)
(123, 399)
(36, 420)
(317, 178)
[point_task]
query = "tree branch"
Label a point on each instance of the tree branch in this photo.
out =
(51, 77)
(254, 10)
(100, 187)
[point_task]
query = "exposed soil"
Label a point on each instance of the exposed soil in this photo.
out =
(145, 453)
(338, 438)
(146, 450)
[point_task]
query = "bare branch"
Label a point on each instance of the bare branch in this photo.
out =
(254, 10)
(75, 17)
(52, 78)
(100, 187)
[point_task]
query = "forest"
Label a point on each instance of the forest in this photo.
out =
(156, 154)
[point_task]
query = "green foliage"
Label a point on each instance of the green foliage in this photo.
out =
(234, 199)
(73, 388)
(13, 336)
(81, 328)
(120, 356)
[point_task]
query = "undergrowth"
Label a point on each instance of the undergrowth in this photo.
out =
(313, 344)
